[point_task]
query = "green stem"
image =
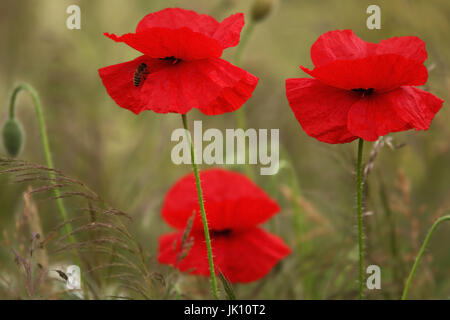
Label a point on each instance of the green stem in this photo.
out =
(45, 145)
(241, 120)
(243, 42)
(202, 211)
(359, 184)
(421, 252)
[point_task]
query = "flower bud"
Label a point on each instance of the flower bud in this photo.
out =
(261, 9)
(12, 137)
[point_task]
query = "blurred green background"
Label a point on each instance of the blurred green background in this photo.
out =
(126, 158)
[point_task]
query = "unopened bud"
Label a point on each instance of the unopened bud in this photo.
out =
(261, 9)
(13, 137)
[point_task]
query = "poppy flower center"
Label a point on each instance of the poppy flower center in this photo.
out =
(363, 91)
(221, 233)
(171, 59)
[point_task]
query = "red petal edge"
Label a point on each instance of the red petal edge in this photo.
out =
(244, 256)
(381, 72)
(402, 109)
(227, 33)
(182, 43)
(321, 110)
(345, 45)
(415, 106)
(214, 86)
(232, 201)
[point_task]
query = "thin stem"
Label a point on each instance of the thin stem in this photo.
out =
(241, 120)
(359, 183)
(240, 115)
(46, 147)
(243, 42)
(420, 254)
(202, 211)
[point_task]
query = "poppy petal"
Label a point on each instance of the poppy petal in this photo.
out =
(214, 86)
(338, 45)
(242, 256)
(412, 48)
(119, 82)
(182, 43)
(345, 45)
(374, 116)
(415, 106)
(381, 72)
(227, 33)
(321, 110)
(177, 18)
(229, 86)
(232, 201)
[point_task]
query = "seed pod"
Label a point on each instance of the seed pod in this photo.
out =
(13, 137)
(261, 9)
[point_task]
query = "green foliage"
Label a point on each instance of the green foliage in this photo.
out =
(114, 265)
(227, 287)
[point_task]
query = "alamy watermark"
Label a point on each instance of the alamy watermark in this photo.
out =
(73, 278)
(374, 280)
(374, 20)
(213, 147)
(73, 21)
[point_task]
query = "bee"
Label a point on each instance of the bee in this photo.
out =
(140, 74)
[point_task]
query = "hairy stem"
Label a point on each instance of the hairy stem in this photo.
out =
(202, 211)
(420, 254)
(359, 186)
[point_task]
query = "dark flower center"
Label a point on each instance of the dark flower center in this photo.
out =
(363, 91)
(221, 233)
(171, 59)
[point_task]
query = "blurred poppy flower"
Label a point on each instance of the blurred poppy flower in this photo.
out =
(180, 68)
(362, 89)
(235, 207)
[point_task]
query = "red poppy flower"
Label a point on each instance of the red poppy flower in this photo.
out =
(180, 68)
(362, 89)
(235, 207)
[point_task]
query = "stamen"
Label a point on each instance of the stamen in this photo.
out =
(171, 59)
(363, 91)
